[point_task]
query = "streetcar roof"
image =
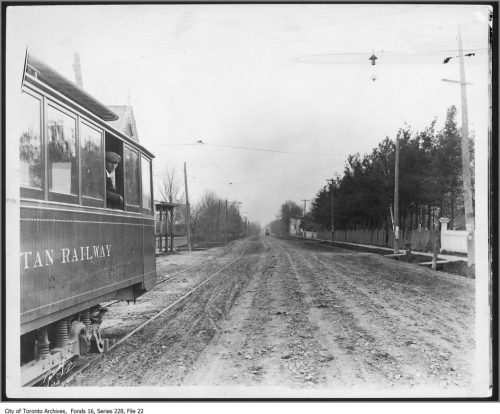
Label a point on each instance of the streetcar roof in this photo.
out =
(57, 81)
(53, 79)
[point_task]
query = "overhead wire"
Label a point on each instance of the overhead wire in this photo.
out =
(216, 165)
(198, 142)
(195, 139)
(274, 151)
(391, 102)
(175, 113)
(260, 149)
(392, 57)
(282, 176)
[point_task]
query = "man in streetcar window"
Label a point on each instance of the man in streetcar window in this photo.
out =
(113, 197)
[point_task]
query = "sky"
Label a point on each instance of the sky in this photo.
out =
(279, 95)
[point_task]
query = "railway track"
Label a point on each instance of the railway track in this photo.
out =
(164, 279)
(64, 374)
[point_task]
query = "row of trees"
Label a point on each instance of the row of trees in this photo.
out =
(209, 215)
(211, 219)
(430, 184)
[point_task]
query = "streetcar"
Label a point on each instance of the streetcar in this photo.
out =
(76, 252)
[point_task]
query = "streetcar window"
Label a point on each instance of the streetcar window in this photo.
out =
(62, 161)
(146, 183)
(92, 160)
(30, 153)
(115, 145)
(131, 171)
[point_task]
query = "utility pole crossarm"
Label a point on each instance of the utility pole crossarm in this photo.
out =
(455, 81)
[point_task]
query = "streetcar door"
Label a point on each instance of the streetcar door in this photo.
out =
(148, 228)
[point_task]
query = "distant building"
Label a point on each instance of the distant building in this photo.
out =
(125, 122)
(295, 229)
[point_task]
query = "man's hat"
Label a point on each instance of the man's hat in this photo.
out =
(113, 156)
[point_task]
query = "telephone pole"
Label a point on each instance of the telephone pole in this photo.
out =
(305, 203)
(171, 225)
(188, 227)
(332, 222)
(466, 174)
(469, 211)
(396, 199)
(225, 227)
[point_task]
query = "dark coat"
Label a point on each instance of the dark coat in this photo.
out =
(113, 199)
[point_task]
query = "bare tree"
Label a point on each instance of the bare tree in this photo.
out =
(194, 220)
(169, 185)
(235, 222)
(208, 214)
(206, 218)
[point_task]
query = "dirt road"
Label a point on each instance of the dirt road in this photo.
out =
(299, 316)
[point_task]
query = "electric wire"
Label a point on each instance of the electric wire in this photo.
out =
(194, 139)
(215, 164)
(281, 176)
(391, 102)
(387, 57)
(259, 149)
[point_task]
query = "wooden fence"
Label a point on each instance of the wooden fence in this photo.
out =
(179, 241)
(418, 240)
(454, 241)
(163, 245)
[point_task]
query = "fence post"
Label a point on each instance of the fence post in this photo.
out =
(159, 232)
(408, 242)
(435, 248)
(444, 226)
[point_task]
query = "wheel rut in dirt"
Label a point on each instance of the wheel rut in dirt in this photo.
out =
(387, 331)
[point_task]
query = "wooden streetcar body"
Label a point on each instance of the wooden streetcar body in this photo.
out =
(75, 252)
(72, 259)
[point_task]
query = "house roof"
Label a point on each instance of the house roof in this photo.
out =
(125, 122)
(121, 111)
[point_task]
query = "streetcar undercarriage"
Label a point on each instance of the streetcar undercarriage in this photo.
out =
(52, 346)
